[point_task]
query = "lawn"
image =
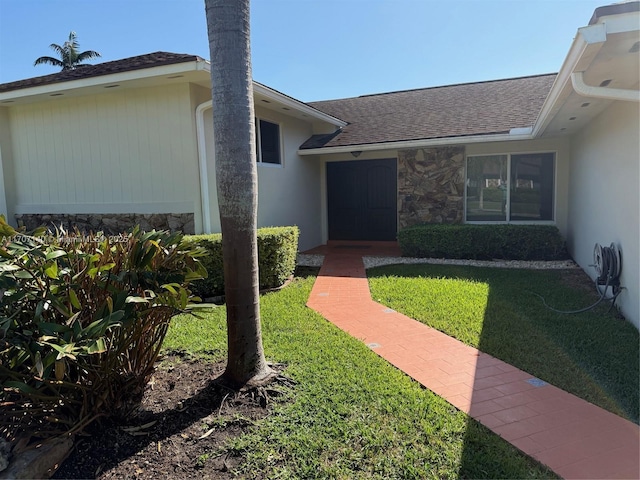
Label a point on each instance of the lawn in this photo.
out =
(593, 355)
(351, 415)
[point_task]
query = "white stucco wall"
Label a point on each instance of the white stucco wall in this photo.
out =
(127, 151)
(603, 196)
(288, 194)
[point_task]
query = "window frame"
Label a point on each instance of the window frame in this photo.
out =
(259, 160)
(508, 199)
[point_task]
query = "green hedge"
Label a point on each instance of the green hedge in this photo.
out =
(277, 250)
(509, 242)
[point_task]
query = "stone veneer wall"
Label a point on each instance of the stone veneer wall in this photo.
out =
(431, 185)
(111, 223)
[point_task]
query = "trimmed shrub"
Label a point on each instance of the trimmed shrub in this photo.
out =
(277, 249)
(213, 284)
(82, 320)
(483, 242)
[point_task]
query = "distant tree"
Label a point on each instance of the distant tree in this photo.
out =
(70, 58)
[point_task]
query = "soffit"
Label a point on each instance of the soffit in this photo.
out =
(618, 62)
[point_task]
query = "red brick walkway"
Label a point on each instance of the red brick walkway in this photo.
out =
(573, 437)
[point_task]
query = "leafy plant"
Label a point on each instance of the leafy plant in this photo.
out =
(82, 320)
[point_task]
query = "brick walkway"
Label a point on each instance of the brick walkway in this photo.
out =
(573, 437)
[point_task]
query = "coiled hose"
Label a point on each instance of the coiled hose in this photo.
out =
(608, 265)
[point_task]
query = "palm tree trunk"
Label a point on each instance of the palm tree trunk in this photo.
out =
(237, 185)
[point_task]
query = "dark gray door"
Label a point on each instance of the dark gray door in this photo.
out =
(362, 200)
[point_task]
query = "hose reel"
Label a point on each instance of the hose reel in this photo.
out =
(608, 264)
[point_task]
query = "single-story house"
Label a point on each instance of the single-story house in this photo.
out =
(129, 141)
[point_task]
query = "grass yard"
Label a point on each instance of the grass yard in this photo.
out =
(593, 355)
(351, 415)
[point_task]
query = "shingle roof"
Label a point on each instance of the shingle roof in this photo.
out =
(148, 60)
(451, 111)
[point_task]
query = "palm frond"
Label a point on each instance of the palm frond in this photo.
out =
(48, 61)
(87, 55)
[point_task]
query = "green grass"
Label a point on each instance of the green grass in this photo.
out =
(593, 355)
(351, 415)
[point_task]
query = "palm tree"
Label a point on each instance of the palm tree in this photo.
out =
(70, 58)
(237, 186)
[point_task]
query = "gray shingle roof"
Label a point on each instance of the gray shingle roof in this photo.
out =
(481, 108)
(148, 60)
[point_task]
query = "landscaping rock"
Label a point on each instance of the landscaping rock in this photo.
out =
(39, 462)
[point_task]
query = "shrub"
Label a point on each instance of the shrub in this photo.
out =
(277, 249)
(509, 242)
(82, 320)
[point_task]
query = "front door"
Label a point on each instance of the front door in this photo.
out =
(362, 196)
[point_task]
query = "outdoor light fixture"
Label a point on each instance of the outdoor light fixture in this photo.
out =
(356, 154)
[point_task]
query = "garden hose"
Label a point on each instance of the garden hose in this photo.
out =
(608, 265)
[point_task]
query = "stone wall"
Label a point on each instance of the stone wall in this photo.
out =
(431, 185)
(110, 223)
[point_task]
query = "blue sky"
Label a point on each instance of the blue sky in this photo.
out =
(315, 49)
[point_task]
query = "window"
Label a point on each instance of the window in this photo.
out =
(268, 142)
(506, 188)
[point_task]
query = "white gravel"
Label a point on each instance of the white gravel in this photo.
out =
(370, 262)
(307, 260)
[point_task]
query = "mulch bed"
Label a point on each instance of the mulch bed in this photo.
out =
(184, 421)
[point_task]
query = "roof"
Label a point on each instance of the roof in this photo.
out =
(148, 60)
(481, 108)
(614, 9)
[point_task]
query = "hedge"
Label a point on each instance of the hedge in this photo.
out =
(277, 250)
(478, 242)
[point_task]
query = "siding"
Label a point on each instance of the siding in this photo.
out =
(130, 151)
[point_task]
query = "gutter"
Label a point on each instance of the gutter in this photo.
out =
(202, 165)
(294, 104)
(108, 79)
(586, 45)
(608, 93)
(513, 135)
(584, 48)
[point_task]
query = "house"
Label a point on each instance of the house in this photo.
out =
(127, 142)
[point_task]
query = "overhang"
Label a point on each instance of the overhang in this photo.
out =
(602, 66)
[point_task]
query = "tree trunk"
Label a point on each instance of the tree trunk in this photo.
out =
(237, 185)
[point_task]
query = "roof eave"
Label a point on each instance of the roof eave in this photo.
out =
(101, 80)
(514, 135)
(586, 45)
(297, 105)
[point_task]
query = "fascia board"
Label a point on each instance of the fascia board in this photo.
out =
(425, 143)
(588, 42)
(584, 48)
(163, 70)
(296, 105)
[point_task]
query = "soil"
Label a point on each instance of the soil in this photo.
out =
(185, 419)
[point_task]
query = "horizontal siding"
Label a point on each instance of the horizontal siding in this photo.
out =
(130, 147)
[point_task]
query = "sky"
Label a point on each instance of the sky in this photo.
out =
(315, 49)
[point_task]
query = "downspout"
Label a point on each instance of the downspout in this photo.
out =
(581, 88)
(202, 165)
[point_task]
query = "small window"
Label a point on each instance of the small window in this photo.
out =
(268, 142)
